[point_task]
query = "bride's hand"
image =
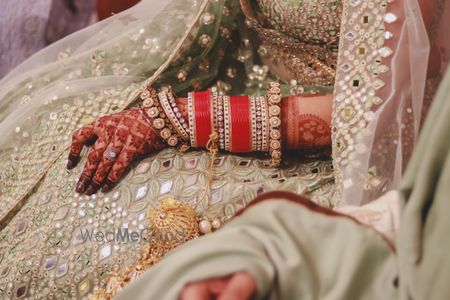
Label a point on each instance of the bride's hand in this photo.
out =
(238, 286)
(119, 138)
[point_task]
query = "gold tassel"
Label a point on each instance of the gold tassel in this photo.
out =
(164, 222)
(114, 285)
(136, 273)
(212, 144)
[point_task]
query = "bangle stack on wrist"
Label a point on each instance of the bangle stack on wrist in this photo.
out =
(237, 124)
(163, 115)
(173, 114)
(242, 123)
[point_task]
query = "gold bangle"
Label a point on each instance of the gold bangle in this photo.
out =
(274, 111)
(168, 107)
(151, 106)
(264, 125)
(214, 99)
(220, 122)
(260, 123)
(253, 117)
(226, 122)
(191, 113)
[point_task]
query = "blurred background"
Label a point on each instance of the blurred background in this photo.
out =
(26, 26)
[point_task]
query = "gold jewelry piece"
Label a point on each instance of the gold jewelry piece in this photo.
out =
(178, 114)
(172, 141)
(148, 102)
(226, 122)
(258, 124)
(111, 153)
(220, 122)
(145, 94)
(274, 98)
(213, 143)
(191, 113)
(159, 124)
(214, 100)
(168, 108)
(171, 224)
(183, 126)
(264, 124)
(153, 111)
(157, 117)
(253, 122)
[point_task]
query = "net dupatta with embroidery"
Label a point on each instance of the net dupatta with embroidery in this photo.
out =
(98, 71)
(382, 90)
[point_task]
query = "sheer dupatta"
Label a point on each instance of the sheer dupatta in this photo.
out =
(98, 71)
(386, 77)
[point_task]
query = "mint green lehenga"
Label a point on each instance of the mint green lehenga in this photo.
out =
(189, 45)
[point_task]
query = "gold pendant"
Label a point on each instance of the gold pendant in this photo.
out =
(171, 224)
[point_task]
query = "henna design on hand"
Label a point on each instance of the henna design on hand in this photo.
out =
(127, 132)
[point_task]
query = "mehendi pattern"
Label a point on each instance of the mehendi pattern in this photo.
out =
(313, 132)
(127, 132)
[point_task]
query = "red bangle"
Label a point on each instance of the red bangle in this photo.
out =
(241, 132)
(202, 105)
